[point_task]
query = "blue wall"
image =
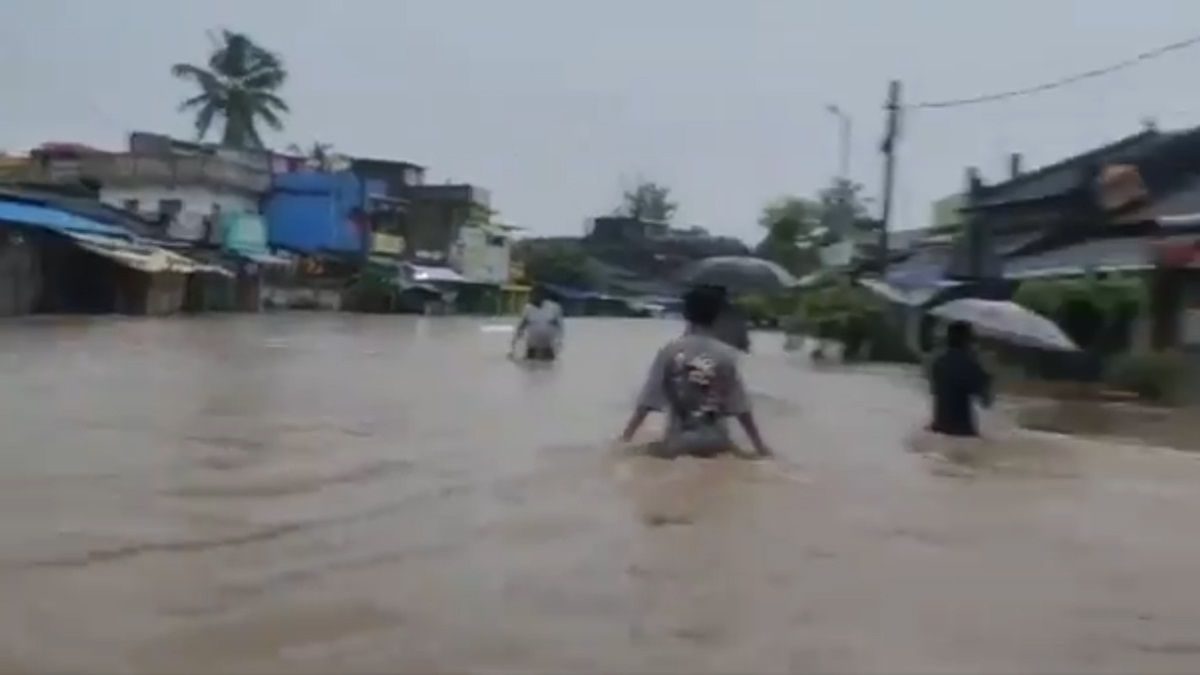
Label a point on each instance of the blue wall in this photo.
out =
(309, 211)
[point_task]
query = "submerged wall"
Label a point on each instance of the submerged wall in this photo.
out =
(20, 273)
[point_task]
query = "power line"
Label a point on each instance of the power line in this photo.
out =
(1063, 82)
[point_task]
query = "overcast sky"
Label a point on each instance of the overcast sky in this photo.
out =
(555, 105)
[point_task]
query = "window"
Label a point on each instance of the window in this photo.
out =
(130, 205)
(170, 207)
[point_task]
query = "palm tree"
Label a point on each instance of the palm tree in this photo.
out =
(239, 85)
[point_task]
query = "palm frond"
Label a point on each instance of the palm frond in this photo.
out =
(268, 116)
(195, 101)
(204, 119)
(232, 59)
(272, 101)
(207, 80)
(266, 78)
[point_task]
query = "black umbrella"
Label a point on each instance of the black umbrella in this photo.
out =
(740, 274)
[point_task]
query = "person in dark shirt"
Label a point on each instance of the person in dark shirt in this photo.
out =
(955, 379)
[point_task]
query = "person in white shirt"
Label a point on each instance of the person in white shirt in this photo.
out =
(541, 326)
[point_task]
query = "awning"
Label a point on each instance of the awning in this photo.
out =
(50, 218)
(262, 257)
(430, 274)
(141, 256)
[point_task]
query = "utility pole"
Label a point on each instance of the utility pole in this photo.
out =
(888, 148)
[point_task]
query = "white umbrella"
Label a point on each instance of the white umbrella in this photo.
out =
(1007, 321)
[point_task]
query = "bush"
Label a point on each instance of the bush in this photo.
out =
(1159, 377)
(1097, 312)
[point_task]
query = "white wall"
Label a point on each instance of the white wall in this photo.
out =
(478, 260)
(198, 202)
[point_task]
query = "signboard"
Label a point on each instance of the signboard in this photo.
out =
(1118, 186)
(1176, 254)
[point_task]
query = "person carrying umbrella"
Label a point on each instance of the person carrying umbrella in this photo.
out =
(695, 381)
(731, 326)
(732, 275)
(956, 379)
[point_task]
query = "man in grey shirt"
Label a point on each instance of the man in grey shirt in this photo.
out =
(695, 380)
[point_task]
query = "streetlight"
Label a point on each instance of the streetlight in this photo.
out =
(844, 218)
(844, 129)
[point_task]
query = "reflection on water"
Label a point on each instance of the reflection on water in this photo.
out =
(327, 493)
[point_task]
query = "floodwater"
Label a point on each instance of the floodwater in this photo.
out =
(331, 493)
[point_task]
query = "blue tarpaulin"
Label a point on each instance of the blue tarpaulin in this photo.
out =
(311, 211)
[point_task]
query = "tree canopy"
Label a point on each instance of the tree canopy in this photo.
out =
(648, 201)
(798, 227)
(239, 86)
(555, 261)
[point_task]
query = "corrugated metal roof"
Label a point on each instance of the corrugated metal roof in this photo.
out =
(925, 268)
(58, 220)
(1100, 255)
(142, 257)
(262, 257)
(1063, 176)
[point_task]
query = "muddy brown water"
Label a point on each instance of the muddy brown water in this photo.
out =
(328, 493)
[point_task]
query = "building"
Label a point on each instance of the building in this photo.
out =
(397, 177)
(55, 260)
(483, 252)
(620, 229)
(314, 212)
(183, 187)
(437, 216)
(1128, 207)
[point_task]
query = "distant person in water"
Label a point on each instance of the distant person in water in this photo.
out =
(695, 381)
(541, 327)
(956, 380)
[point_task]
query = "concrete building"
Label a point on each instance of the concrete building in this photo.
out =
(182, 186)
(436, 216)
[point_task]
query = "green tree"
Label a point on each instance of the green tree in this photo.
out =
(239, 86)
(842, 209)
(792, 228)
(805, 213)
(648, 201)
(1096, 312)
(555, 261)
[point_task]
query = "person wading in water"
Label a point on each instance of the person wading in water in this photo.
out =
(694, 379)
(956, 379)
(542, 327)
